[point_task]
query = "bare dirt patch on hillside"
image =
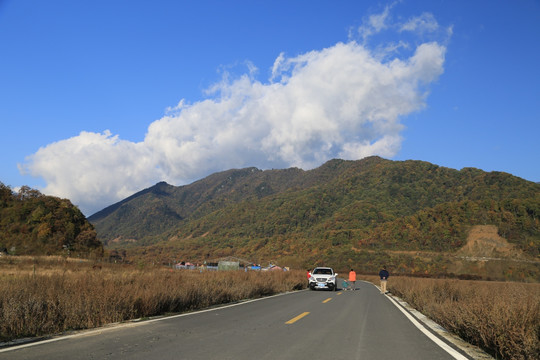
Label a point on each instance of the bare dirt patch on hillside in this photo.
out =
(484, 241)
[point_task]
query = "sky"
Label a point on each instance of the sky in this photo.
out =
(101, 99)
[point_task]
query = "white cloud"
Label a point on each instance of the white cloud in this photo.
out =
(342, 101)
(375, 23)
(93, 170)
(421, 24)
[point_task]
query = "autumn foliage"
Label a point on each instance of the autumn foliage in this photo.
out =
(341, 213)
(33, 223)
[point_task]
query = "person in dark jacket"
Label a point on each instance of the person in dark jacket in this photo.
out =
(383, 274)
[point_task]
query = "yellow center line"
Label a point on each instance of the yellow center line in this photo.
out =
(295, 319)
(327, 300)
(339, 293)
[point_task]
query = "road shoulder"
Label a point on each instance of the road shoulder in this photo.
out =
(455, 341)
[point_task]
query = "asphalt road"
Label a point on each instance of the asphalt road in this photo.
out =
(361, 324)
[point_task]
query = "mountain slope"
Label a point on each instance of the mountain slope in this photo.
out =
(336, 211)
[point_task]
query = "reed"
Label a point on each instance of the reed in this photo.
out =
(48, 297)
(42, 296)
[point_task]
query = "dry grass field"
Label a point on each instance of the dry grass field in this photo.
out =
(500, 317)
(50, 295)
(40, 296)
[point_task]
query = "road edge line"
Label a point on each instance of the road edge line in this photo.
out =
(454, 353)
(471, 350)
(422, 322)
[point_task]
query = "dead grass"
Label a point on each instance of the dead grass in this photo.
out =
(501, 318)
(40, 296)
(44, 296)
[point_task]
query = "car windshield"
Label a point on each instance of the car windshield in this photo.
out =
(323, 271)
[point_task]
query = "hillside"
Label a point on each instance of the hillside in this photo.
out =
(34, 224)
(344, 212)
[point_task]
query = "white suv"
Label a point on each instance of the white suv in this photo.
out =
(323, 278)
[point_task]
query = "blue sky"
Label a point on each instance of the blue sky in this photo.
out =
(101, 99)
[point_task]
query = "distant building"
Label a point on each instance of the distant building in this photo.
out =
(272, 268)
(228, 265)
(185, 265)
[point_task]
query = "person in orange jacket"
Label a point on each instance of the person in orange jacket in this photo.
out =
(352, 279)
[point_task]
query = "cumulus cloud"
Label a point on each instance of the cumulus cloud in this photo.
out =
(93, 170)
(342, 101)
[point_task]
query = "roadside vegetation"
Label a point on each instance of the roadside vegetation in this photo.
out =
(503, 318)
(51, 295)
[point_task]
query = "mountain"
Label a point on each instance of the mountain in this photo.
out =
(146, 215)
(343, 212)
(35, 224)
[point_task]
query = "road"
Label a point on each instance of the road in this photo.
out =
(361, 324)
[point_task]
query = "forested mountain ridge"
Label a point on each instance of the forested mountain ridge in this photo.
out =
(136, 216)
(342, 212)
(35, 224)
